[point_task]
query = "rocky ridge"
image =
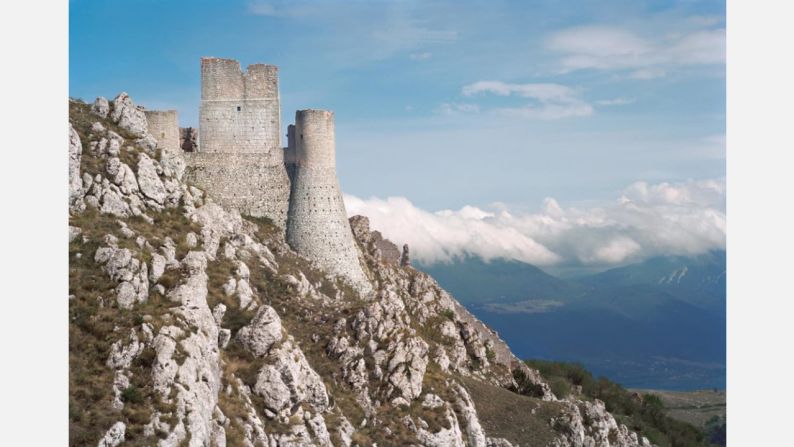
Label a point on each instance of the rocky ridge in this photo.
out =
(193, 325)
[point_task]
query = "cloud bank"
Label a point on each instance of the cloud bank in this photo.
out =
(612, 48)
(645, 220)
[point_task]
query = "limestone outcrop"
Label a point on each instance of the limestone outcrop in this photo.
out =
(191, 324)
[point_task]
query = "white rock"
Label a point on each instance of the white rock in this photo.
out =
(263, 331)
(244, 293)
(112, 203)
(125, 295)
(100, 107)
(148, 180)
(218, 313)
(272, 389)
(127, 116)
(121, 355)
(158, 267)
(114, 436)
(191, 240)
(76, 191)
(229, 287)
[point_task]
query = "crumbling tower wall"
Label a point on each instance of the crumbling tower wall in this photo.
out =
(164, 127)
(317, 224)
(240, 162)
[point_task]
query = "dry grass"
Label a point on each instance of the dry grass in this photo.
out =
(504, 414)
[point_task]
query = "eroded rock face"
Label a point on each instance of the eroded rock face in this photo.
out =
(130, 273)
(76, 192)
(585, 424)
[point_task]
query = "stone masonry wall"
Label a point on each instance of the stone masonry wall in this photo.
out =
(164, 127)
(246, 182)
(239, 111)
(317, 224)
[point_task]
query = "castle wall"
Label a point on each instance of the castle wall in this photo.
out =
(317, 224)
(246, 182)
(164, 127)
(240, 111)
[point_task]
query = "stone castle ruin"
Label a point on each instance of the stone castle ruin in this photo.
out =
(237, 158)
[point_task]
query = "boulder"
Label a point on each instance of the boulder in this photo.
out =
(263, 331)
(148, 180)
(100, 107)
(127, 116)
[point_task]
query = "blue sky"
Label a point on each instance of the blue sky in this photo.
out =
(490, 105)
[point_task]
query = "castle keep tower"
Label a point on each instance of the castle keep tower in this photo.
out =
(240, 111)
(239, 161)
(317, 225)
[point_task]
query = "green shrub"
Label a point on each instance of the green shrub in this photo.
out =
(560, 387)
(131, 394)
(526, 386)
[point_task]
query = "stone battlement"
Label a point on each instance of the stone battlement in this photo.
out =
(223, 80)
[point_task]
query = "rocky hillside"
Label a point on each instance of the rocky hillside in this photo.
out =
(193, 325)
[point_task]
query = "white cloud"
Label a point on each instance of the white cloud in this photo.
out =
(547, 101)
(612, 48)
(615, 102)
(646, 220)
(453, 108)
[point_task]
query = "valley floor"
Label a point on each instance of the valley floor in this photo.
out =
(694, 407)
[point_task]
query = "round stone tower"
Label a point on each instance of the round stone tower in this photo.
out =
(317, 225)
(164, 127)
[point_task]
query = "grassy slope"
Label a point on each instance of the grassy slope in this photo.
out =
(522, 420)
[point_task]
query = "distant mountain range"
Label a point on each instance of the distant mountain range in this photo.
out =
(655, 324)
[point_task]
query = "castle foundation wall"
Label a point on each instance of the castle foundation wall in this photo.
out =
(246, 182)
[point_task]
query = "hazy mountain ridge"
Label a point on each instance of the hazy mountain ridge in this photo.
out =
(655, 324)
